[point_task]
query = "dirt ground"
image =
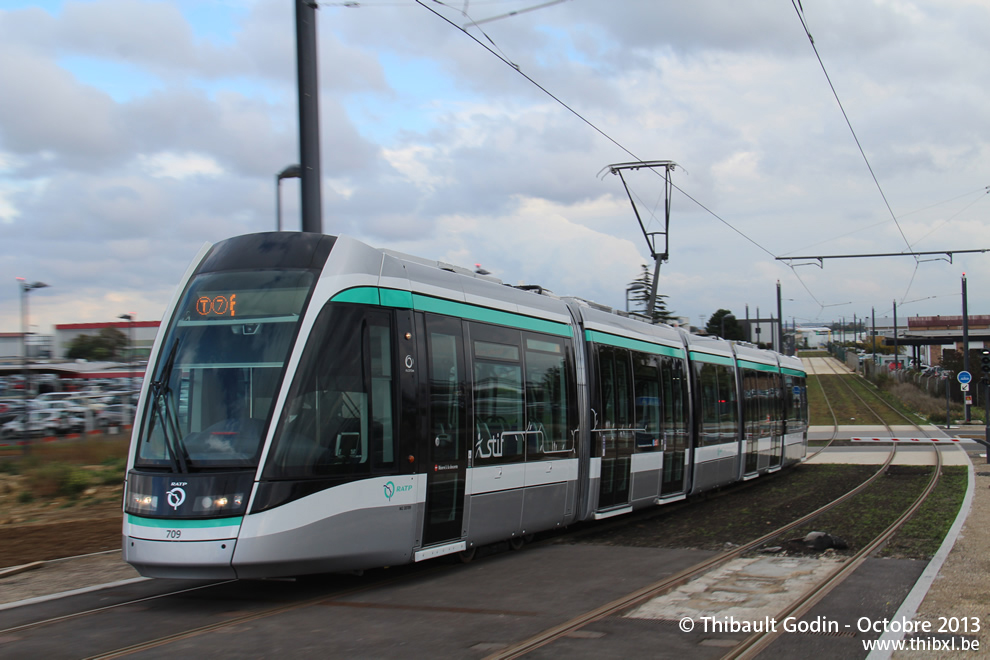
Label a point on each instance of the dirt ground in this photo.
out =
(737, 514)
(55, 527)
(61, 527)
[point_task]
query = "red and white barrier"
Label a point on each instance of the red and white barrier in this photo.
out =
(941, 440)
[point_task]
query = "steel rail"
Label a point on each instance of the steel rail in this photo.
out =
(254, 616)
(662, 586)
(105, 608)
(835, 419)
(758, 642)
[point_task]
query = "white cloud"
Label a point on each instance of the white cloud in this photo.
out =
(178, 166)
(455, 156)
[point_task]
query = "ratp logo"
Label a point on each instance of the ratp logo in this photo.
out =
(175, 497)
(391, 489)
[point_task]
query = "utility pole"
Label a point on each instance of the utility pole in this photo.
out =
(965, 320)
(780, 323)
(896, 355)
(309, 116)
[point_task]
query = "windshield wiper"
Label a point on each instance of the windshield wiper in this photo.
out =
(162, 393)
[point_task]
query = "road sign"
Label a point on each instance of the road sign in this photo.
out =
(964, 376)
(964, 387)
(969, 400)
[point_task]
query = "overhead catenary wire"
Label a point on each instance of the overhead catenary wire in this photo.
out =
(581, 117)
(494, 50)
(800, 12)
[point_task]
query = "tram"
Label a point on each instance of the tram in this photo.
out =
(314, 405)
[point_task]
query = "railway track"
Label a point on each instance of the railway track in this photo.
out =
(303, 599)
(758, 642)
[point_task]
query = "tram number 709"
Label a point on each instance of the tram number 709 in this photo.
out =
(173, 533)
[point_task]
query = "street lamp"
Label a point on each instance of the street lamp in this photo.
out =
(130, 335)
(290, 172)
(130, 343)
(26, 288)
(731, 316)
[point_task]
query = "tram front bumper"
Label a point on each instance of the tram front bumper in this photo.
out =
(191, 560)
(185, 549)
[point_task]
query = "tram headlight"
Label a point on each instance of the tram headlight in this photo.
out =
(142, 503)
(219, 503)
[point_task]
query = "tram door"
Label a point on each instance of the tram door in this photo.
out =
(673, 383)
(615, 434)
(448, 438)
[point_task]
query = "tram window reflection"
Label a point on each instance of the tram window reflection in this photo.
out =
(339, 416)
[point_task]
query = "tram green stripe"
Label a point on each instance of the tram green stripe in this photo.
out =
(363, 295)
(794, 372)
(396, 298)
(633, 344)
(712, 359)
(406, 300)
(759, 366)
(173, 523)
(474, 313)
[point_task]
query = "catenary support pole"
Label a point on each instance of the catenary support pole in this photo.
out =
(309, 116)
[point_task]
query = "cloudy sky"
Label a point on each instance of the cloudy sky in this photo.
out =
(131, 132)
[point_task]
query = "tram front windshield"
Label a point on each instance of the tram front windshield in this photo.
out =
(218, 372)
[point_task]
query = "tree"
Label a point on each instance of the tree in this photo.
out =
(640, 290)
(723, 323)
(109, 344)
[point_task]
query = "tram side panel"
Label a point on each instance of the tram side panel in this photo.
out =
(794, 395)
(524, 458)
(639, 419)
(762, 411)
(717, 449)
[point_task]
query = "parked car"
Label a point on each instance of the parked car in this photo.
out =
(115, 415)
(10, 409)
(42, 423)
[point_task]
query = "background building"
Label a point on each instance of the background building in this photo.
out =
(141, 335)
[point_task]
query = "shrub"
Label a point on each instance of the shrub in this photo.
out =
(54, 479)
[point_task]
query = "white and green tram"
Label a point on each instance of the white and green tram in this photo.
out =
(313, 404)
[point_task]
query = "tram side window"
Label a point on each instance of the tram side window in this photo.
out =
(796, 406)
(382, 440)
(803, 384)
(674, 396)
(498, 400)
(751, 405)
(708, 386)
(338, 419)
(776, 412)
(718, 403)
(615, 408)
(546, 397)
(616, 396)
(728, 415)
(757, 410)
(648, 403)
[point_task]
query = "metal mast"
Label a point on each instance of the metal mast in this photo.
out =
(653, 238)
(309, 116)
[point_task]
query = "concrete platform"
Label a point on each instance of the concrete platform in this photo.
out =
(877, 454)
